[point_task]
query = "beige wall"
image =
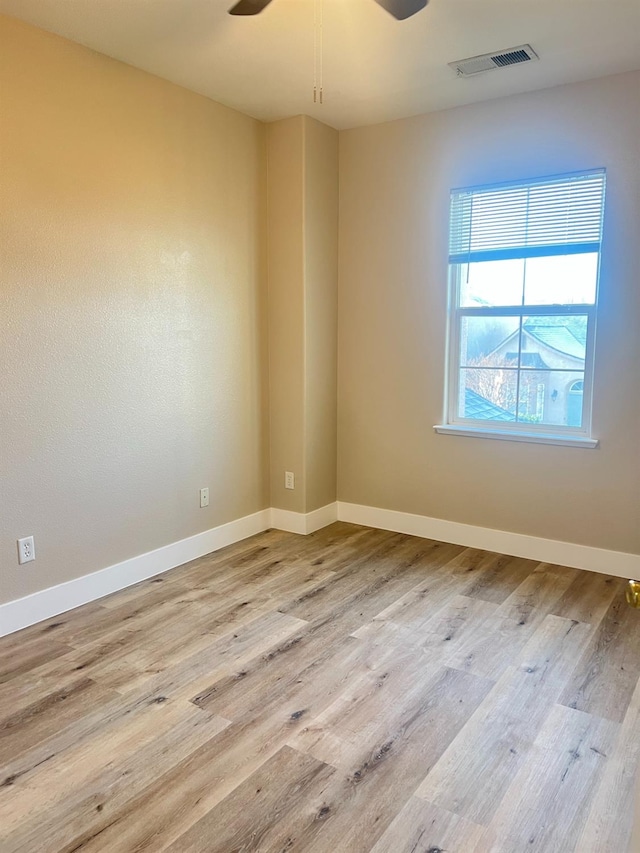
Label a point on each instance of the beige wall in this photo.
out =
(303, 269)
(285, 145)
(133, 348)
(394, 195)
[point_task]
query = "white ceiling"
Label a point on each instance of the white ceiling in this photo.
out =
(375, 68)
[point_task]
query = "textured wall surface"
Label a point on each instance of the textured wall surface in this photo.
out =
(395, 180)
(285, 145)
(303, 310)
(132, 299)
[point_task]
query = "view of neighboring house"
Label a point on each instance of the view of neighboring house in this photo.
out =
(551, 357)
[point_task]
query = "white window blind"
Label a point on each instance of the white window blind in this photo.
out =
(553, 216)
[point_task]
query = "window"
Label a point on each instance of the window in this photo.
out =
(523, 274)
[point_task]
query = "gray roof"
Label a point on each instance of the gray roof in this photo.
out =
(567, 335)
(478, 407)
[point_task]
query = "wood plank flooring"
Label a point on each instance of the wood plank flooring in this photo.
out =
(352, 691)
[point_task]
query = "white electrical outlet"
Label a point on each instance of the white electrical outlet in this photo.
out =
(26, 550)
(289, 480)
(204, 498)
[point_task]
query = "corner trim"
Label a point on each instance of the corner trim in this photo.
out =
(606, 562)
(299, 522)
(322, 517)
(290, 522)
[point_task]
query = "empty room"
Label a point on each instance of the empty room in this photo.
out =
(319, 443)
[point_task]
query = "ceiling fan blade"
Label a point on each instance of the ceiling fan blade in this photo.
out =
(402, 9)
(249, 7)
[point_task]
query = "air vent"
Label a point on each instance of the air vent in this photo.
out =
(491, 61)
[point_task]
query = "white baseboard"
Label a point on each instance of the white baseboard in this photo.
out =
(26, 611)
(299, 522)
(320, 518)
(570, 554)
(284, 519)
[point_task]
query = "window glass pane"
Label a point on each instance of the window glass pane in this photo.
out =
(561, 280)
(553, 397)
(491, 283)
(489, 341)
(488, 394)
(554, 343)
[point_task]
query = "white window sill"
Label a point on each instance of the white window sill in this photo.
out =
(508, 435)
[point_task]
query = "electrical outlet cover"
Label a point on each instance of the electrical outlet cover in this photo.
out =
(26, 550)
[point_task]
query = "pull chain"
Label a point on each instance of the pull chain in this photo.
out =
(317, 50)
(321, 47)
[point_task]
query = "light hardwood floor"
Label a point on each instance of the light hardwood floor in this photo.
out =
(351, 691)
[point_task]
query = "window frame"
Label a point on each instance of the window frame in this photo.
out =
(518, 430)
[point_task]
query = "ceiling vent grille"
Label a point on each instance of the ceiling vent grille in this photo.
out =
(491, 61)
